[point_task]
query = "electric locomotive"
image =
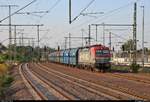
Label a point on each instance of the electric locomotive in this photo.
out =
(95, 57)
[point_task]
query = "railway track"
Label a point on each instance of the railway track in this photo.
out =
(76, 84)
(36, 94)
(131, 77)
(39, 89)
(54, 86)
(115, 86)
(93, 86)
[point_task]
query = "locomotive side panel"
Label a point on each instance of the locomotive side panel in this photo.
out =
(85, 57)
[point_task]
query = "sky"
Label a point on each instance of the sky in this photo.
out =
(56, 21)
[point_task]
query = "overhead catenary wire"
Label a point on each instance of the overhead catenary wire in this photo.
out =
(18, 10)
(107, 14)
(33, 13)
(82, 11)
(119, 36)
(51, 8)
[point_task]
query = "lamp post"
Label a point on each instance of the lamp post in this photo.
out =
(143, 51)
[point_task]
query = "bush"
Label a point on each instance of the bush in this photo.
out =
(134, 67)
(5, 82)
(3, 69)
(5, 79)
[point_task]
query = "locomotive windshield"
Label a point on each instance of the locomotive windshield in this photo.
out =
(102, 52)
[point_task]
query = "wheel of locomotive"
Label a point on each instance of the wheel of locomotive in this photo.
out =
(102, 70)
(80, 66)
(92, 68)
(84, 67)
(88, 68)
(107, 70)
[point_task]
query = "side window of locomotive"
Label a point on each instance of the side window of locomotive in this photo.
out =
(99, 52)
(102, 52)
(105, 51)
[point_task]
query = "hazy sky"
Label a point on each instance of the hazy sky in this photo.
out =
(56, 22)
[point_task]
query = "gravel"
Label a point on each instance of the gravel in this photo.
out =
(133, 87)
(18, 90)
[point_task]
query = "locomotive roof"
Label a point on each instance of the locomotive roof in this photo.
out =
(82, 47)
(92, 46)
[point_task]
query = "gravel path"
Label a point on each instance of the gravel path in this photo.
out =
(18, 90)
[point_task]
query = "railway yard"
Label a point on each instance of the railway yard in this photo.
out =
(75, 50)
(49, 81)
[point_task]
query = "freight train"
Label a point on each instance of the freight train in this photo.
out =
(95, 57)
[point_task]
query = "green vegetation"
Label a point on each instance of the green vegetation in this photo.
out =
(134, 67)
(127, 46)
(28, 53)
(120, 68)
(3, 58)
(5, 79)
(5, 82)
(22, 53)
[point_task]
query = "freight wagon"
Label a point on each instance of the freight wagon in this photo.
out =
(95, 57)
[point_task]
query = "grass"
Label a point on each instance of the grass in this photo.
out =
(127, 69)
(120, 68)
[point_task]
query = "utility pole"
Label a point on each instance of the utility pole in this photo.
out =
(38, 35)
(74, 38)
(29, 25)
(33, 49)
(70, 12)
(104, 34)
(15, 43)
(82, 36)
(29, 42)
(143, 51)
(22, 39)
(66, 42)
(110, 41)
(10, 33)
(116, 25)
(134, 33)
(96, 33)
(69, 41)
(89, 35)
(81, 13)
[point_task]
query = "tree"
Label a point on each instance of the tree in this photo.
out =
(2, 48)
(127, 46)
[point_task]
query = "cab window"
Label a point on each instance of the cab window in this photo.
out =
(102, 52)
